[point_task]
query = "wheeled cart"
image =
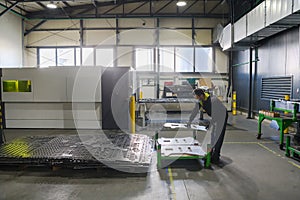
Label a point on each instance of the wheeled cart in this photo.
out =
(283, 121)
(186, 148)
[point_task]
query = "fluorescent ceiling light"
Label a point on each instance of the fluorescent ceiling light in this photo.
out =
(51, 5)
(181, 3)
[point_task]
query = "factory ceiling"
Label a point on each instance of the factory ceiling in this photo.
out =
(82, 9)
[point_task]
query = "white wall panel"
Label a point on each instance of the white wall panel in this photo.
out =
(30, 57)
(54, 38)
(11, 48)
(100, 37)
(240, 29)
(226, 37)
(102, 23)
(137, 37)
(175, 37)
(136, 23)
(277, 9)
(60, 24)
(125, 56)
(256, 19)
(296, 5)
(175, 22)
(207, 23)
(222, 61)
(203, 37)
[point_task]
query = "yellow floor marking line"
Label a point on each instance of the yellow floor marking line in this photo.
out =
(294, 164)
(268, 149)
(277, 154)
(172, 183)
(248, 142)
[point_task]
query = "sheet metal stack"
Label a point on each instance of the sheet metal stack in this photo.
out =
(126, 152)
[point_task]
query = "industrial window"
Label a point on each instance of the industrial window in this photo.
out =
(144, 59)
(203, 59)
(184, 59)
(276, 87)
(47, 57)
(105, 57)
(88, 56)
(78, 57)
(17, 86)
(65, 57)
(167, 59)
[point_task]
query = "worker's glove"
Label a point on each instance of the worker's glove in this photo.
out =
(188, 124)
(205, 123)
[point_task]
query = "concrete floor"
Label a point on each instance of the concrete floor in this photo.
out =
(254, 169)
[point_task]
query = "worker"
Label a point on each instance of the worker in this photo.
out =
(218, 113)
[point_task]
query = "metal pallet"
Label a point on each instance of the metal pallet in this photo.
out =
(116, 150)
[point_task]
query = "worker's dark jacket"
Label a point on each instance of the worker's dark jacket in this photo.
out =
(218, 113)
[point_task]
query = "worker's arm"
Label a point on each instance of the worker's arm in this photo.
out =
(194, 113)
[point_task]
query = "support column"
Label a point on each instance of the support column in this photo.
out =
(250, 84)
(2, 118)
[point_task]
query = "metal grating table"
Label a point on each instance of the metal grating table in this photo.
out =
(116, 150)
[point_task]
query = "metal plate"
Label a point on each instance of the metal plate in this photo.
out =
(186, 141)
(180, 125)
(182, 150)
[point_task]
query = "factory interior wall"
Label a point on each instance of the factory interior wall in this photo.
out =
(173, 31)
(11, 42)
(278, 56)
(50, 106)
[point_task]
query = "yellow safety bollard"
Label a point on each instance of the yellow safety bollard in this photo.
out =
(141, 95)
(132, 114)
(234, 103)
(287, 98)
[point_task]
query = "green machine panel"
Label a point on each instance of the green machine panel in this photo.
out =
(17, 86)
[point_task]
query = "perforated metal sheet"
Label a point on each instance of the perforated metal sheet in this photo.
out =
(186, 141)
(182, 150)
(113, 150)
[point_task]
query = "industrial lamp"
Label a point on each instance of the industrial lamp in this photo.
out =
(181, 3)
(51, 5)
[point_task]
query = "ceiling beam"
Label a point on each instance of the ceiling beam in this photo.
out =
(42, 5)
(8, 8)
(135, 9)
(134, 15)
(164, 6)
(84, 11)
(217, 5)
(13, 11)
(17, 6)
(190, 6)
(66, 4)
(34, 27)
(111, 9)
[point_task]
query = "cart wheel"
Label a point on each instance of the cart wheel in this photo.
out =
(281, 146)
(287, 155)
(258, 136)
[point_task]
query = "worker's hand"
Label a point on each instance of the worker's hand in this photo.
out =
(188, 124)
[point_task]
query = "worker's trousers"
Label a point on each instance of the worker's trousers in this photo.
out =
(217, 147)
